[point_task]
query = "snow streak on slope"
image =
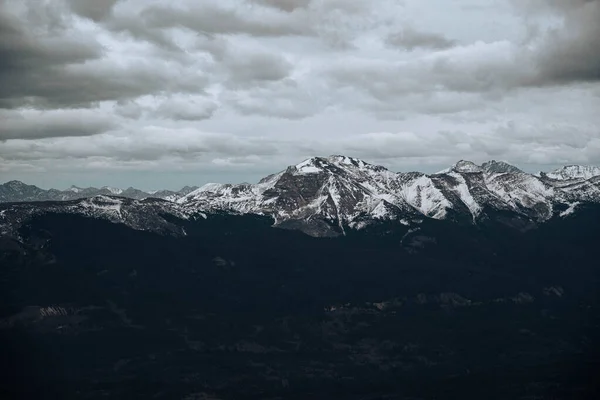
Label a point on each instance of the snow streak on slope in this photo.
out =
(422, 194)
(147, 215)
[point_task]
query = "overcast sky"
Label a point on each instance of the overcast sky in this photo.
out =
(159, 94)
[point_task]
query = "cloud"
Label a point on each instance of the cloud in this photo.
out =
(129, 109)
(411, 39)
(573, 53)
(31, 124)
(84, 85)
(149, 144)
(284, 5)
(484, 68)
(53, 66)
(566, 52)
(186, 109)
(95, 10)
(207, 18)
(286, 99)
(249, 67)
(569, 52)
(23, 49)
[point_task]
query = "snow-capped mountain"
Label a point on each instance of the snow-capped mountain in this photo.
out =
(16, 191)
(326, 196)
(569, 172)
(343, 192)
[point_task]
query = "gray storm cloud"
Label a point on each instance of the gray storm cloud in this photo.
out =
(30, 124)
(50, 67)
(96, 10)
(571, 51)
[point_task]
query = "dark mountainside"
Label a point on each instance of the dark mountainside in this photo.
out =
(237, 309)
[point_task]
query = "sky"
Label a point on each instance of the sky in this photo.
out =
(161, 94)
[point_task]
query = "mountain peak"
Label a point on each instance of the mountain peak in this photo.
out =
(15, 183)
(112, 189)
(574, 172)
(499, 167)
(344, 160)
(74, 189)
(333, 162)
(466, 166)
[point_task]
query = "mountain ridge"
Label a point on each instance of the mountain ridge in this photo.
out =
(17, 191)
(326, 196)
(345, 191)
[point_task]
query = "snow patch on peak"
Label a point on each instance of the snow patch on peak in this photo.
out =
(346, 160)
(74, 189)
(308, 167)
(113, 190)
(466, 166)
(574, 172)
(306, 163)
(343, 160)
(209, 187)
(351, 163)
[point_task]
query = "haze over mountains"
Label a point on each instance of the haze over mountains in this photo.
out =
(16, 191)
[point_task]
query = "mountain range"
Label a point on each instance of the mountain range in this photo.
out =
(16, 191)
(326, 196)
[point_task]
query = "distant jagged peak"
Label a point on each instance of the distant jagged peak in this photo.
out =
(466, 166)
(15, 183)
(112, 189)
(74, 189)
(574, 172)
(500, 167)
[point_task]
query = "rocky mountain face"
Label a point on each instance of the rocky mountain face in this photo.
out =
(16, 191)
(327, 196)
